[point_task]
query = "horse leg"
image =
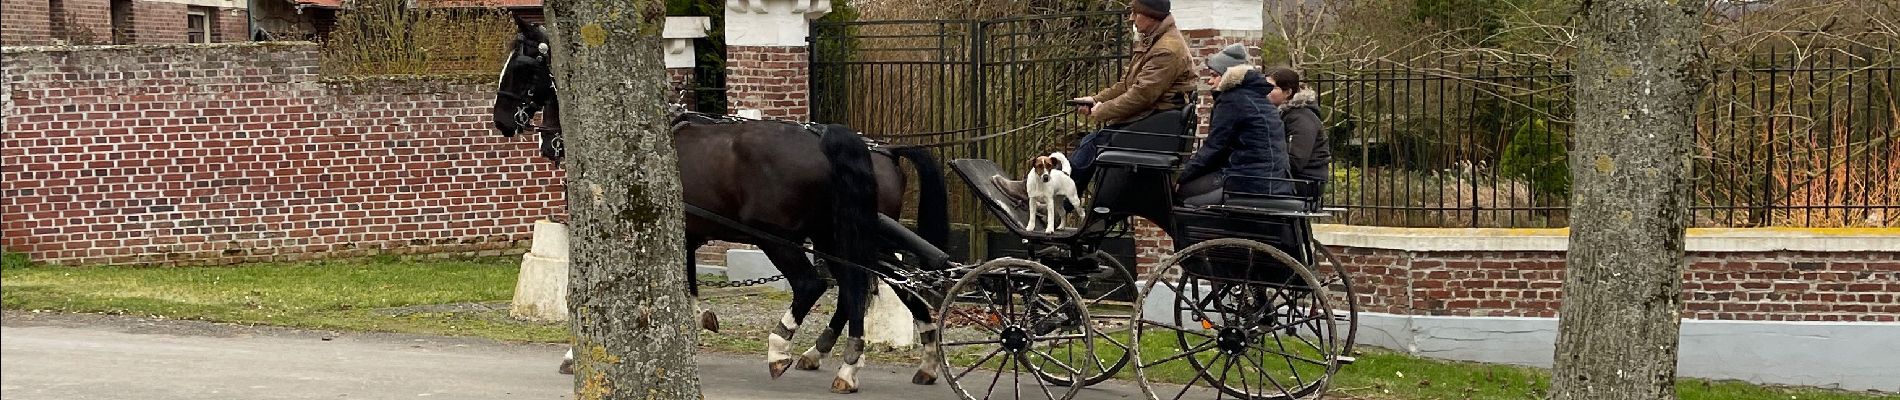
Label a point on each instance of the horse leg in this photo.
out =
(707, 319)
(853, 293)
(927, 335)
(826, 340)
(806, 289)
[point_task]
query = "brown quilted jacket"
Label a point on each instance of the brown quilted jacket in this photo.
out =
(1161, 73)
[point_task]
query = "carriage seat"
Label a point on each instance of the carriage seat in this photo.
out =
(1159, 140)
(1305, 198)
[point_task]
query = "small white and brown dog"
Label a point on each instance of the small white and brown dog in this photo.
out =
(1048, 183)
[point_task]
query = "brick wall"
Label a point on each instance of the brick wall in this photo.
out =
(157, 22)
(25, 22)
(81, 21)
(190, 154)
(771, 79)
(229, 25)
(1754, 286)
(41, 22)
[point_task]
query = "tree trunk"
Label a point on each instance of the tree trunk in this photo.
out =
(1638, 72)
(634, 335)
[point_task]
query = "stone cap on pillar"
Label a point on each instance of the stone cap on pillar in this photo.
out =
(679, 34)
(1221, 15)
(776, 23)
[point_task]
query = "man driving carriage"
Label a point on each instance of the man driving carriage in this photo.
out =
(1159, 78)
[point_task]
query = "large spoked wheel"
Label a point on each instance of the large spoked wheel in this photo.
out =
(1339, 284)
(1236, 318)
(1018, 309)
(1110, 320)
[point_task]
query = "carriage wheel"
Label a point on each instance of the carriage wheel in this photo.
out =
(1018, 308)
(1339, 284)
(1109, 318)
(1237, 334)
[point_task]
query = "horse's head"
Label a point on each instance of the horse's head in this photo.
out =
(527, 82)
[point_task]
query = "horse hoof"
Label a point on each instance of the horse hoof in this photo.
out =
(923, 378)
(778, 367)
(709, 321)
(567, 367)
(839, 386)
(806, 363)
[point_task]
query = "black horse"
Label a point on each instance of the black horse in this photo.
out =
(763, 175)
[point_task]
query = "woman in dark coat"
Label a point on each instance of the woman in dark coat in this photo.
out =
(1299, 110)
(1246, 136)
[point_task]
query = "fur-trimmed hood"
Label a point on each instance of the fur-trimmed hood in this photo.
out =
(1305, 98)
(1234, 76)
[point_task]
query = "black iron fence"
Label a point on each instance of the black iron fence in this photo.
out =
(939, 81)
(1782, 140)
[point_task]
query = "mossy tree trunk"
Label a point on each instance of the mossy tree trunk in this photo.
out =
(1638, 71)
(634, 335)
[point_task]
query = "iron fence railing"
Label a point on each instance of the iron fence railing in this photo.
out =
(1782, 140)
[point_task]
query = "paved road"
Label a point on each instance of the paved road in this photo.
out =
(79, 357)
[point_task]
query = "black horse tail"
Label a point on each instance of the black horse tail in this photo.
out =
(933, 199)
(853, 194)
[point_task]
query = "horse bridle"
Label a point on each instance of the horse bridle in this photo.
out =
(533, 101)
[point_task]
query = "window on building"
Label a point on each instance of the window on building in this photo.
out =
(198, 25)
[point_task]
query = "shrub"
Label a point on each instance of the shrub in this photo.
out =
(1539, 157)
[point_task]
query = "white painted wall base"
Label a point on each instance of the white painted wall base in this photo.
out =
(541, 288)
(1843, 355)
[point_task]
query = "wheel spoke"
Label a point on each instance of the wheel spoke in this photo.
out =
(972, 343)
(1269, 375)
(1178, 328)
(1196, 350)
(1053, 359)
(1045, 386)
(1197, 378)
(998, 378)
(979, 363)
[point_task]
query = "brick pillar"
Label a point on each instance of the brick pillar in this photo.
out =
(25, 22)
(81, 21)
(767, 67)
(771, 79)
(230, 25)
(158, 22)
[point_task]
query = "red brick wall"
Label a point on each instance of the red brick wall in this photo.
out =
(187, 154)
(1778, 286)
(230, 25)
(81, 21)
(25, 22)
(771, 79)
(155, 22)
(40, 22)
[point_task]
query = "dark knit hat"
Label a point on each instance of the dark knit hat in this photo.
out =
(1157, 9)
(1232, 55)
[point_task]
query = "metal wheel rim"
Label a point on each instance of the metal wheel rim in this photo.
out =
(1103, 369)
(1172, 274)
(949, 313)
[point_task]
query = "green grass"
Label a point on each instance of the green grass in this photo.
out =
(339, 294)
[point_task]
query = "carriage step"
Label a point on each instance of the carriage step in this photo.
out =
(1345, 360)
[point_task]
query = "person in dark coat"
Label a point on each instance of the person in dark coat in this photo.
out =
(1246, 136)
(1299, 110)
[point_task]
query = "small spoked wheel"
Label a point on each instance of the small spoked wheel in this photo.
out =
(1004, 330)
(1236, 318)
(1111, 317)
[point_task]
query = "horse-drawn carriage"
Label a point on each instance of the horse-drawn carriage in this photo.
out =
(1243, 309)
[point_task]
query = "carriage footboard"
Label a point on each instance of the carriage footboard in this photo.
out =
(1013, 214)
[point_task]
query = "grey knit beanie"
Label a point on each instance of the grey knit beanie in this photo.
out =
(1234, 54)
